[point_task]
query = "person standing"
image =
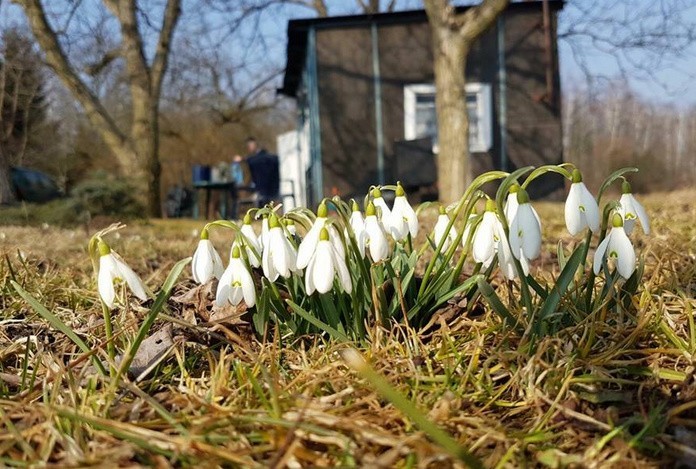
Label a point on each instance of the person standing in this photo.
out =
(265, 172)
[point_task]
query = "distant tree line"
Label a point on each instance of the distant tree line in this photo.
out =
(617, 128)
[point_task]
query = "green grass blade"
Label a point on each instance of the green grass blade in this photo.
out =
(318, 323)
(561, 286)
(156, 308)
(56, 323)
(494, 302)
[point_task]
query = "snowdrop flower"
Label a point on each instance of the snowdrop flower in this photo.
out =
(581, 209)
(618, 247)
(324, 265)
(511, 204)
(311, 239)
(440, 230)
(263, 237)
(403, 217)
(525, 232)
(467, 227)
(206, 262)
(376, 237)
(253, 246)
(279, 256)
(632, 210)
(236, 283)
(357, 224)
(489, 239)
(112, 268)
(379, 201)
(290, 226)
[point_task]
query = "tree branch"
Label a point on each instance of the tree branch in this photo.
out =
(172, 13)
(476, 20)
(56, 59)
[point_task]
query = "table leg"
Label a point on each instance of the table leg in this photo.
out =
(207, 204)
(223, 204)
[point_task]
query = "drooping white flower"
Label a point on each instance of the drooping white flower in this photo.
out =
(484, 240)
(403, 219)
(236, 283)
(489, 239)
(111, 269)
(357, 224)
(252, 245)
(440, 231)
(379, 202)
(377, 242)
(511, 204)
(309, 243)
(525, 232)
(279, 256)
(632, 210)
(324, 265)
(263, 237)
(467, 228)
(206, 262)
(616, 246)
(290, 226)
(581, 209)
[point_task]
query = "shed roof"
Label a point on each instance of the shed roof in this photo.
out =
(298, 29)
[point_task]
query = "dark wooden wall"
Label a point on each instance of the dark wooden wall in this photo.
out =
(347, 97)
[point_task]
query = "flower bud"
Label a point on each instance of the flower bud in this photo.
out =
(104, 249)
(576, 176)
(490, 205)
(617, 221)
(322, 211)
(370, 210)
(522, 196)
(626, 187)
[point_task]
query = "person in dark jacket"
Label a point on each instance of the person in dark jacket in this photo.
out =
(265, 173)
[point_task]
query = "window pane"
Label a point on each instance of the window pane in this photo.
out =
(426, 116)
(472, 111)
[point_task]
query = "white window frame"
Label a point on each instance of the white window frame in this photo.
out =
(483, 90)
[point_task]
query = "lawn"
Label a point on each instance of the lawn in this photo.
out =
(219, 395)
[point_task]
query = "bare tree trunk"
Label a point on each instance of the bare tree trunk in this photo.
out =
(454, 174)
(453, 34)
(7, 193)
(137, 150)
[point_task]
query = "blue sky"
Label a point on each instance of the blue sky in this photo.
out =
(674, 80)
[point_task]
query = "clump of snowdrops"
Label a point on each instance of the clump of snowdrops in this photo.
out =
(347, 268)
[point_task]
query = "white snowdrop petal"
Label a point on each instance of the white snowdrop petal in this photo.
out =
(105, 283)
(309, 243)
(248, 288)
(621, 246)
(574, 219)
(642, 216)
(483, 242)
(531, 231)
(591, 212)
(236, 295)
(599, 254)
(309, 280)
(324, 271)
(511, 206)
(343, 274)
(224, 287)
(132, 280)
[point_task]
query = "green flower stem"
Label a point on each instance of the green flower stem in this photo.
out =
(109, 331)
(478, 182)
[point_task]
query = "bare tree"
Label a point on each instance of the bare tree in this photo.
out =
(453, 34)
(22, 104)
(136, 148)
(642, 39)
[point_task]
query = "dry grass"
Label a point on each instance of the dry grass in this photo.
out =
(222, 398)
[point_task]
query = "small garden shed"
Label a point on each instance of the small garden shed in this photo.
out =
(364, 87)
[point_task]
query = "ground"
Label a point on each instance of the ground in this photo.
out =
(222, 397)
